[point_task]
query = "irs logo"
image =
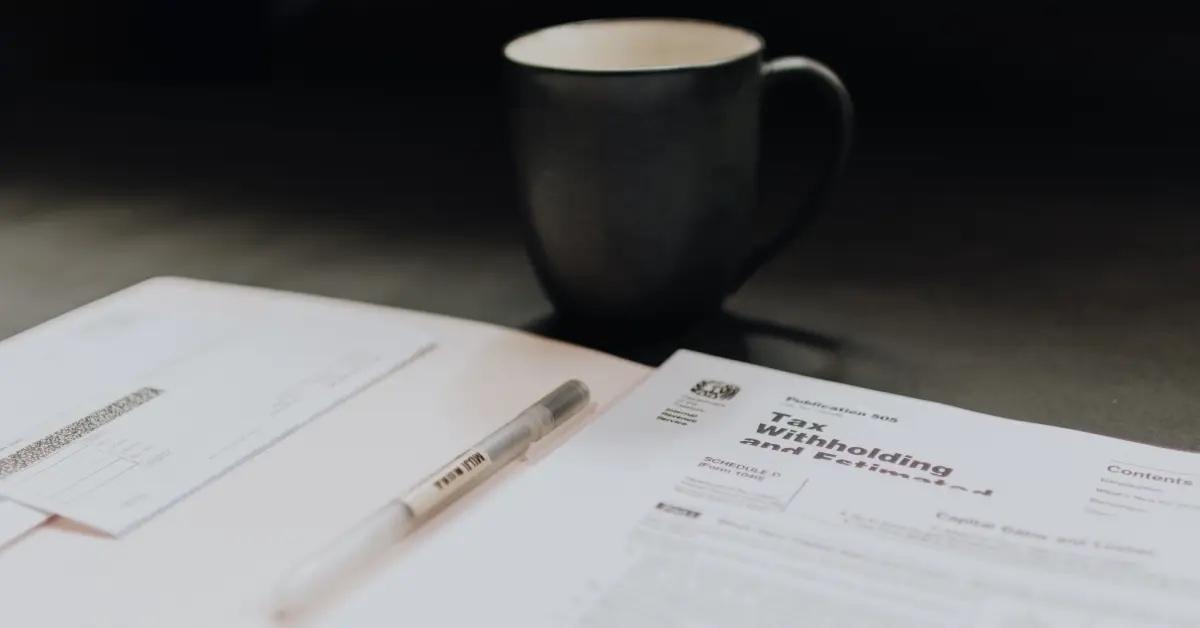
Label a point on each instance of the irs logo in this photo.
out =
(713, 389)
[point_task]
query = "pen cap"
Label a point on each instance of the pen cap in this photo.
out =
(564, 401)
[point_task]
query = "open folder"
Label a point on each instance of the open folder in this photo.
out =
(706, 492)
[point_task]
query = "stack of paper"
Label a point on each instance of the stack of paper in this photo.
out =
(117, 410)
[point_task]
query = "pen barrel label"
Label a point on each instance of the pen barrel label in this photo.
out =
(447, 482)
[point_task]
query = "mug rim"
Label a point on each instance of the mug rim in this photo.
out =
(650, 69)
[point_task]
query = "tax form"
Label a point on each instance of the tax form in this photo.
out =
(724, 494)
(117, 410)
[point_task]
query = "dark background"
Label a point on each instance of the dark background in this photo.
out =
(1016, 232)
(1050, 72)
(1114, 86)
(1069, 68)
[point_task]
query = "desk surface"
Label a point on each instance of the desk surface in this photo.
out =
(1044, 283)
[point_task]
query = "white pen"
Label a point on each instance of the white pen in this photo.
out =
(394, 521)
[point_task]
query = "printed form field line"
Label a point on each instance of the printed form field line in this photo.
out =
(95, 481)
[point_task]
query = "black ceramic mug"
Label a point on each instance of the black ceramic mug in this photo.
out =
(636, 143)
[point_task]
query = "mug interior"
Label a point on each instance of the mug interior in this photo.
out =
(632, 44)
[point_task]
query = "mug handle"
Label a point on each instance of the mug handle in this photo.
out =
(831, 86)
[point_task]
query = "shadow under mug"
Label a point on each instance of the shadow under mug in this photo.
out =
(636, 143)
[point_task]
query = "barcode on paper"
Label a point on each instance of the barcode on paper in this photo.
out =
(47, 445)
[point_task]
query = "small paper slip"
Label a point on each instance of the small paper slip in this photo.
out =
(119, 409)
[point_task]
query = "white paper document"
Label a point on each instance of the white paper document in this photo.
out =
(16, 520)
(115, 411)
(724, 494)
